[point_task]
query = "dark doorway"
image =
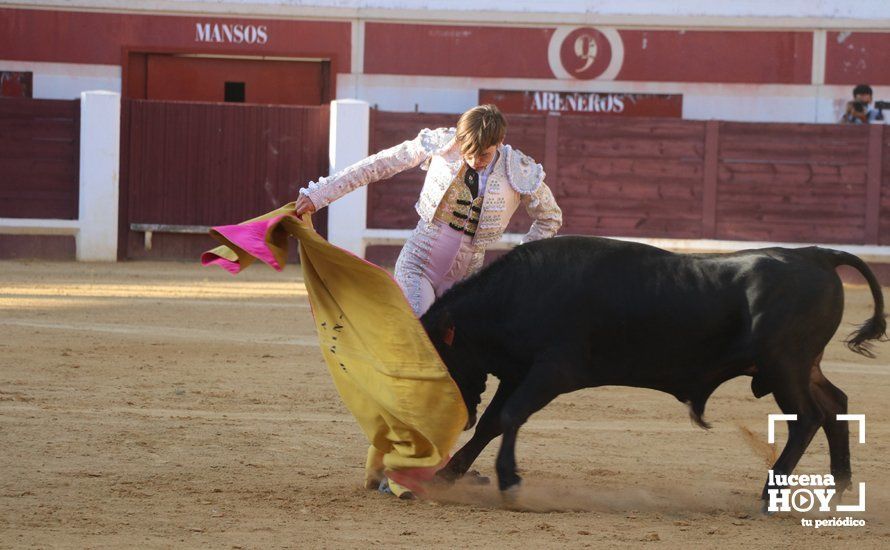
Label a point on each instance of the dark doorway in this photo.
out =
(234, 92)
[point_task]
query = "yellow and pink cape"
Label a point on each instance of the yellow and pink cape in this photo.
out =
(383, 364)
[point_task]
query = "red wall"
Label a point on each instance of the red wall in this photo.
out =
(406, 49)
(202, 79)
(858, 58)
(100, 38)
(650, 55)
(758, 57)
(658, 55)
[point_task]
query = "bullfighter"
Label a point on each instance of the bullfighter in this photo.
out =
(474, 184)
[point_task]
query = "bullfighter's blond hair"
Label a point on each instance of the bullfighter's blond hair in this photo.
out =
(480, 128)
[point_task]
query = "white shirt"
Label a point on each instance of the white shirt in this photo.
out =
(483, 175)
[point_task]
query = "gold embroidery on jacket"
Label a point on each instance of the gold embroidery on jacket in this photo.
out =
(458, 208)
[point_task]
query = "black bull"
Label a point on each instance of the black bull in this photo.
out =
(562, 314)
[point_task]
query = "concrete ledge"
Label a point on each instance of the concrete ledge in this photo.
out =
(168, 228)
(151, 228)
(397, 237)
(31, 226)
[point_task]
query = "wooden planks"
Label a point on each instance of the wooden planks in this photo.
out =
(391, 202)
(39, 158)
(213, 164)
(884, 203)
(672, 178)
(792, 182)
(631, 178)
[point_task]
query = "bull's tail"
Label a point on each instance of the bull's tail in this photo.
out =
(874, 328)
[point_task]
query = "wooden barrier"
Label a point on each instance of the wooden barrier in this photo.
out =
(39, 158)
(682, 179)
(204, 164)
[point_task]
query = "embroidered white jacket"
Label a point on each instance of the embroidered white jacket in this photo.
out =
(515, 179)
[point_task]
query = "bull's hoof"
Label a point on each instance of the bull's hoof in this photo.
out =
(841, 486)
(445, 477)
(473, 477)
(510, 496)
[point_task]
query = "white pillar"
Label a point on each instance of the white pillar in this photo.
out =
(347, 216)
(100, 120)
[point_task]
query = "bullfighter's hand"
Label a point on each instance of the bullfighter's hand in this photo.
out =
(304, 205)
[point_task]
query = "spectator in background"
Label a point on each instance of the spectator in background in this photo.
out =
(859, 110)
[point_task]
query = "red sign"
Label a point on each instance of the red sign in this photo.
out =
(589, 103)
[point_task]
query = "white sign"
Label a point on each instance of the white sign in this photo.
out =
(571, 102)
(223, 33)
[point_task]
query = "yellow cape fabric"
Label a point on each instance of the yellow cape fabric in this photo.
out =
(383, 364)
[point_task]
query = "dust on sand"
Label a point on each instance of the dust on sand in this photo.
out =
(165, 404)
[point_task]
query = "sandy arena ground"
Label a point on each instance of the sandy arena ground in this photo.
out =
(170, 405)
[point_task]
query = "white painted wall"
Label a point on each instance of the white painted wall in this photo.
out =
(823, 9)
(99, 176)
(739, 102)
(400, 93)
(348, 144)
(770, 103)
(748, 108)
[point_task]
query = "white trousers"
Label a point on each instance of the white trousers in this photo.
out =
(434, 258)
